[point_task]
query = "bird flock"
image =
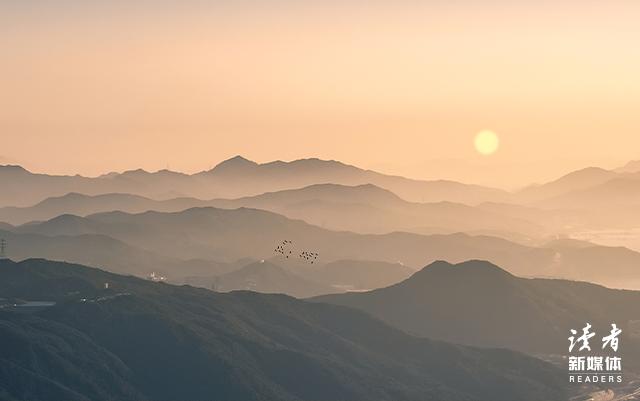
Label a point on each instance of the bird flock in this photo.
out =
(309, 256)
(285, 248)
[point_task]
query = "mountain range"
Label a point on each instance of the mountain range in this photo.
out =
(306, 228)
(139, 340)
(584, 199)
(233, 178)
(591, 190)
(480, 304)
(224, 236)
(364, 209)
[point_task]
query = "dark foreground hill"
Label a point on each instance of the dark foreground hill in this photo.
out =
(139, 340)
(478, 303)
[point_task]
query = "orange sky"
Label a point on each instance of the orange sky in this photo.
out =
(403, 86)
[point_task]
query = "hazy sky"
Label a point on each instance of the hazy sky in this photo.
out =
(403, 86)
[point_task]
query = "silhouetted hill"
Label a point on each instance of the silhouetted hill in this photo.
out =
(139, 340)
(478, 303)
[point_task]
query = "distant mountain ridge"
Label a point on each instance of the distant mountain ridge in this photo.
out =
(591, 188)
(232, 178)
(573, 181)
(587, 199)
(238, 177)
(82, 205)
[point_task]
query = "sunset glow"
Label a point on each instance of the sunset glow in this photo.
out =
(373, 83)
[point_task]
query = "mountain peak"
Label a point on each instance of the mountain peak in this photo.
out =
(136, 172)
(236, 162)
(13, 168)
(470, 268)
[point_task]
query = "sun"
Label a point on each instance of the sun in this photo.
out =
(486, 142)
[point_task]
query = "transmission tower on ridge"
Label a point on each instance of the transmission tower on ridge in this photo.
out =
(3, 248)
